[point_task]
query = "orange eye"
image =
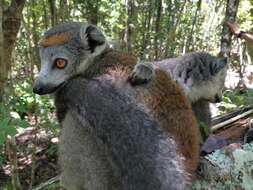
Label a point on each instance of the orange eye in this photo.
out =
(60, 63)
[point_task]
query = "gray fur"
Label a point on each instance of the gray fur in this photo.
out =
(142, 73)
(108, 140)
(200, 74)
(86, 44)
(112, 150)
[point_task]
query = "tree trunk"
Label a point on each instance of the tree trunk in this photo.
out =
(53, 12)
(231, 11)
(2, 64)
(35, 39)
(157, 27)
(129, 24)
(191, 42)
(169, 14)
(146, 33)
(13, 158)
(170, 43)
(11, 24)
(92, 11)
(45, 16)
(64, 15)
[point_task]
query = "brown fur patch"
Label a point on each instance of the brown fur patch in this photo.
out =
(165, 101)
(57, 39)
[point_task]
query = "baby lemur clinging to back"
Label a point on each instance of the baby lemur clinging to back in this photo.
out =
(114, 136)
(200, 74)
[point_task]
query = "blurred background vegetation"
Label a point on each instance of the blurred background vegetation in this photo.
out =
(150, 30)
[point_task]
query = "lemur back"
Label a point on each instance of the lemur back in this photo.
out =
(163, 99)
(115, 135)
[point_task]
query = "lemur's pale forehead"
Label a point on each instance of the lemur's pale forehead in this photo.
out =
(56, 39)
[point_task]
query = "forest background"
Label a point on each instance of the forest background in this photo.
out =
(150, 30)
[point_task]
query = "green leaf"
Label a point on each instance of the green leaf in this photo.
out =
(2, 138)
(23, 124)
(4, 123)
(12, 131)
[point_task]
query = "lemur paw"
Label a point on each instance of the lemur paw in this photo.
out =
(142, 73)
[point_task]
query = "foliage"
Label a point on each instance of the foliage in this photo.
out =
(183, 26)
(10, 122)
(233, 99)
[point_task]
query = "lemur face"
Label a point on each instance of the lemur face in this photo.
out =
(211, 89)
(57, 66)
(66, 51)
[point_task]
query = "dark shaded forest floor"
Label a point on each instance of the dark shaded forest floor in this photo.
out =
(36, 153)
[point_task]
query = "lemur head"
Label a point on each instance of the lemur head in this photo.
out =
(67, 50)
(212, 88)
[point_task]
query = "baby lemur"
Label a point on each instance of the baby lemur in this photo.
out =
(114, 136)
(200, 75)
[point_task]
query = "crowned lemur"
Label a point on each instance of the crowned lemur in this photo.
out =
(114, 136)
(200, 75)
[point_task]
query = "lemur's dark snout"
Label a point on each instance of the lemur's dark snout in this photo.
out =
(42, 88)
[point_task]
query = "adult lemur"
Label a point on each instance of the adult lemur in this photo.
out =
(114, 136)
(200, 75)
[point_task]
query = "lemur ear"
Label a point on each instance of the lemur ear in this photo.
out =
(92, 37)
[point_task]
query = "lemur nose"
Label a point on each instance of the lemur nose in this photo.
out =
(38, 87)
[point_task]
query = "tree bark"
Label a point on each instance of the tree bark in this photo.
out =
(190, 42)
(146, 33)
(92, 11)
(35, 38)
(45, 16)
(2, 64)
(230, 15)
(10, 26)
(64, 15)
(170, 43)
(53, 12)
(157, 27)
(129, 25)
(13, 158)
